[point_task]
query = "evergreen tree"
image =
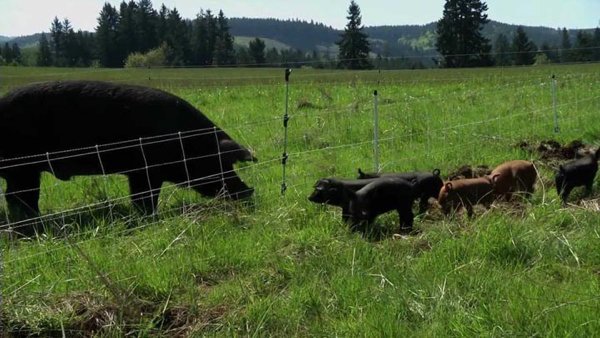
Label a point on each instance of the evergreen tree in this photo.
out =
(161, 24)
(7, 53)
(584, 43)
(44, 57)
(16, 54)
(146, 24)
(549, 51)
(565, 52)
(242, 56)
(106, 35)
(210, 23)
(256, 48)
(177, 39)
(199, 41)
(524, 49)
(273, 57)
(85, 44)
(459, 39)
(70, 48)
(596, 45)
(502, 50)
(127, 30)
(353, 46)
(224, 53)
(56, 32)
(204, 38)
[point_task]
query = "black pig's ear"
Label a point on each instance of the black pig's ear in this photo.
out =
(436, 172)
(231, 149)
(561, 169)
(361, 174)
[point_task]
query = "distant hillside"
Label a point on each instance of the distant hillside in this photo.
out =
(27, 40)
(405, 40)
(385, 40)
(269, 43)
(297, 34)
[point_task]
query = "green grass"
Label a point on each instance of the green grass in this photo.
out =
(286, 267)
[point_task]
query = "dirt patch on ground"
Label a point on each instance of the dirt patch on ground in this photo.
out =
(468, 171)
(551, 150)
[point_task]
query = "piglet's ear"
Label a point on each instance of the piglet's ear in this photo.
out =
(361, 173)
(448, 186)
(561, 169)
(436, 172)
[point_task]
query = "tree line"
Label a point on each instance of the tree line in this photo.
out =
(136, 35)
(461, 44)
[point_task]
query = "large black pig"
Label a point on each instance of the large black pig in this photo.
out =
(87, 128)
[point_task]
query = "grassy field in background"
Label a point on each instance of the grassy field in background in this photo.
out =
(286, 267)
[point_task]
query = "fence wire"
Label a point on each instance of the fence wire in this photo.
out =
(298, 184)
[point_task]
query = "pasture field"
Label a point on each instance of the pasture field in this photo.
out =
(282, 266)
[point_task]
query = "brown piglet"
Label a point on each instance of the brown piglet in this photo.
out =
(513, 176)
(466, 193)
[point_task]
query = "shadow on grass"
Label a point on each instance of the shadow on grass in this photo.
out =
(120, 216)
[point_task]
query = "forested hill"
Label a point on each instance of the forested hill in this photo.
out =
(309, 36)
(301, 35)
(385, 40)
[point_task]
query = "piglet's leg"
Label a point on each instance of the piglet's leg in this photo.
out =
(406, 217)
(564, 195)
(588, 188)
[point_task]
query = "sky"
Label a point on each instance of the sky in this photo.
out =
(24, 17)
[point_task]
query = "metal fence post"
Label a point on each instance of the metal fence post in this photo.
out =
(376, 131)
(286, 118)
(554, 104)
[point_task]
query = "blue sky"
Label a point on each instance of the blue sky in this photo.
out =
(23, 17)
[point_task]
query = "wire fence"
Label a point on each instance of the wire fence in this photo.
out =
(409, 137)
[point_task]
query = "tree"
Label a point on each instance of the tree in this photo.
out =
(178, 41)
(7, 53)
(70, 48)
(596, 43)
(353, 46)
(16, 54)
(56, 32)
(502, 50)
(224, 53)
(584, 43)
(459, 37)
(550, 52)
(524, 49)
(106, 35)
(256, 49)
(204, 38)
(565, 52)
(127, 30)
(44, 57)
(146, 25)
(161, 24)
